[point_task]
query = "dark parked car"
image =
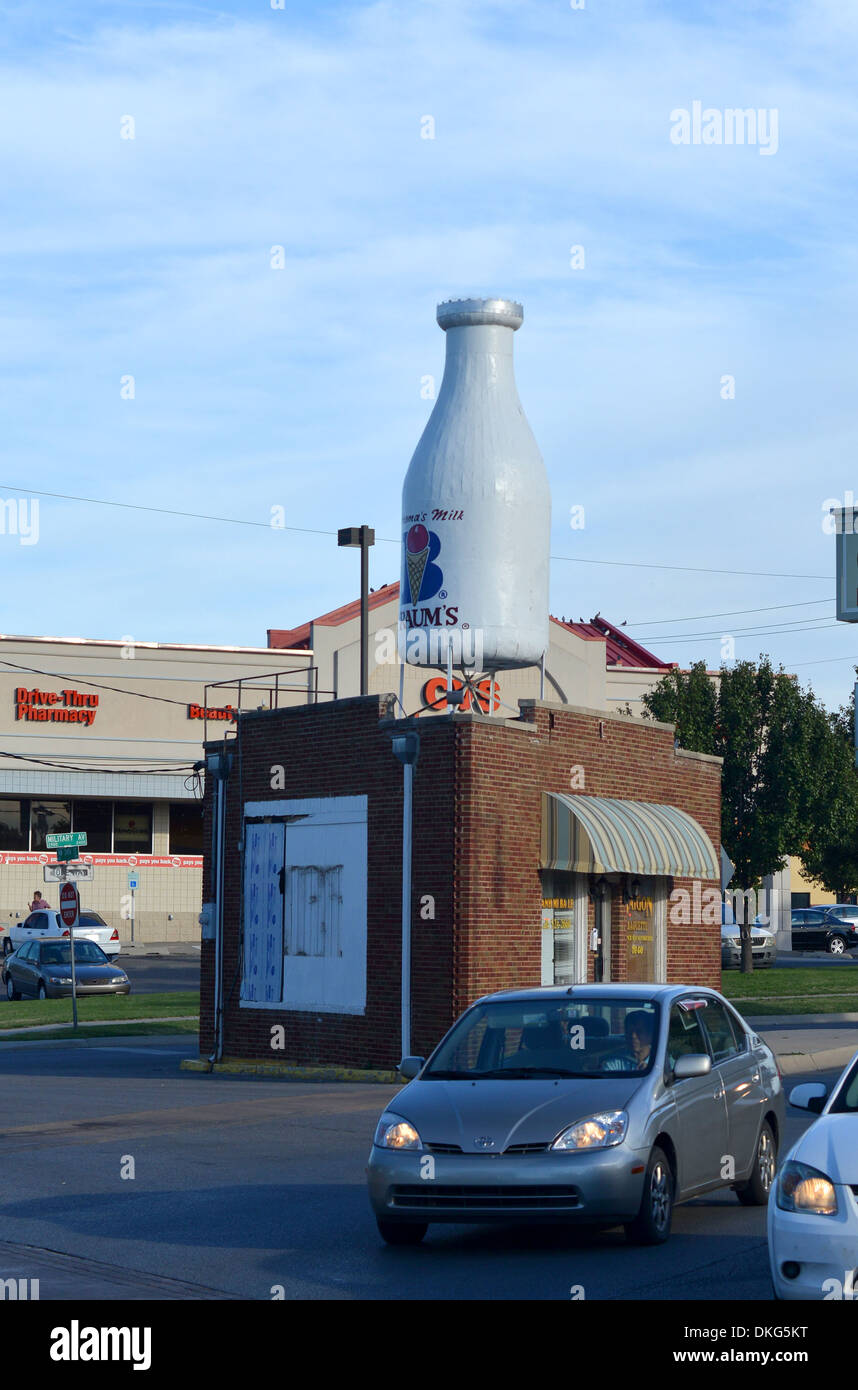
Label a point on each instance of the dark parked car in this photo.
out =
(832, 929)
(42, 968)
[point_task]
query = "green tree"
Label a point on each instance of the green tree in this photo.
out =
(830, 853)
(687, 699)
(779, 751)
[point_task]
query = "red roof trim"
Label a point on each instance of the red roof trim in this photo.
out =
(620, 649)
(300, 636)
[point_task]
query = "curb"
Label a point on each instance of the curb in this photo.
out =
(830, 1059)
(282, 1071)
(156, 1039)
(24, 1031)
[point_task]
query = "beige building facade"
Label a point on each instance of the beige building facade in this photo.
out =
(102, 737)
(591, 665)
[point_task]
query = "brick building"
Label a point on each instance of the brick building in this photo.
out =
(564, 845)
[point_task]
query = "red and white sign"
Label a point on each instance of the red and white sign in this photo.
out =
(130, 861)
(69, 905)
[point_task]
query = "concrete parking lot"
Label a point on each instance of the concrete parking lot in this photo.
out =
(244, 1186)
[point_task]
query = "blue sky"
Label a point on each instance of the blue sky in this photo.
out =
(300, 387)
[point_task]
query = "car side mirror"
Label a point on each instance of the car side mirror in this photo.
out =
(811, 1096)
(692, 1064)
(410, 1066)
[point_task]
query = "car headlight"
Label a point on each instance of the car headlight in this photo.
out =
(117, 980)
(62, 979)
(804, 1189)
(393, 1132)
(732, 941)
(596, 1132)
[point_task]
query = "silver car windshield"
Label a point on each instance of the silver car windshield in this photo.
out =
(521, 1039)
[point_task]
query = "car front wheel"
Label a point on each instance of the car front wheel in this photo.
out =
(402, 1232)
(11, 992)
(43, 993)
(651, 1226)
(836, 946)
(755, 1192)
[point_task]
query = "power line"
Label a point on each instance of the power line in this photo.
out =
(173, 771)
(164, 511)
(691, 569)
(115, 689)
(731, 613)
(824, 661)
(752, 632)
(390, 540)
(812, 625)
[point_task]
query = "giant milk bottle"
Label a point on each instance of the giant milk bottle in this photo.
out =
(476, 508)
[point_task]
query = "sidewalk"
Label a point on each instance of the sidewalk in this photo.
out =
(809, 1042)
(160, 948)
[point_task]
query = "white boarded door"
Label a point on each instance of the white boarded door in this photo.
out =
(262, 973)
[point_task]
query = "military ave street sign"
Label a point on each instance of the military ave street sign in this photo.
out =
(71, 837)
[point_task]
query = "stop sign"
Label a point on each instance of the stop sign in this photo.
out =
(69, 904)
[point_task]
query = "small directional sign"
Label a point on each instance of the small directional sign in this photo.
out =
(59, 873)
(65, 852)
(70, 837)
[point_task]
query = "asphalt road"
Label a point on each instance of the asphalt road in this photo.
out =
(161, 974)
(154, 974)
(803, 959)
(243, 1185)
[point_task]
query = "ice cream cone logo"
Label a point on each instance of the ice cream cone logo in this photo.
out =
(417, 558)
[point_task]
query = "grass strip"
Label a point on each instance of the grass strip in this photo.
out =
(92, 1009)
(118, 1030)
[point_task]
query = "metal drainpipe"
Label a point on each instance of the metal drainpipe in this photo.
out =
(407, 789)
(218, 848)
(219, 767)
(221, 790)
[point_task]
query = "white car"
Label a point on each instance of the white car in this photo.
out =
(813, 1205)
(40, 924)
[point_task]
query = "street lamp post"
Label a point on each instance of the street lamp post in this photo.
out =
(362, 536)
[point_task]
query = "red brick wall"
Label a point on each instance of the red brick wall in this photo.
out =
(341, 749)
(475, 862)
(498, 835)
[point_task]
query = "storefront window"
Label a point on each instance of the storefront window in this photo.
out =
(186, 827)
(96, 818)
(49, 818)
(14, 824)
(132, 827)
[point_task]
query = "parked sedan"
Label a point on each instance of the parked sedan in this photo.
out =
(49, 925)
(764, 947)
(813, 1212)
(43, 969)
(604, 1104)
(832, 929)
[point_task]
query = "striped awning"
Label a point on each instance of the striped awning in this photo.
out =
(602, 835)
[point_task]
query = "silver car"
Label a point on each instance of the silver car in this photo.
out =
(764, 946)
(603, 1104)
